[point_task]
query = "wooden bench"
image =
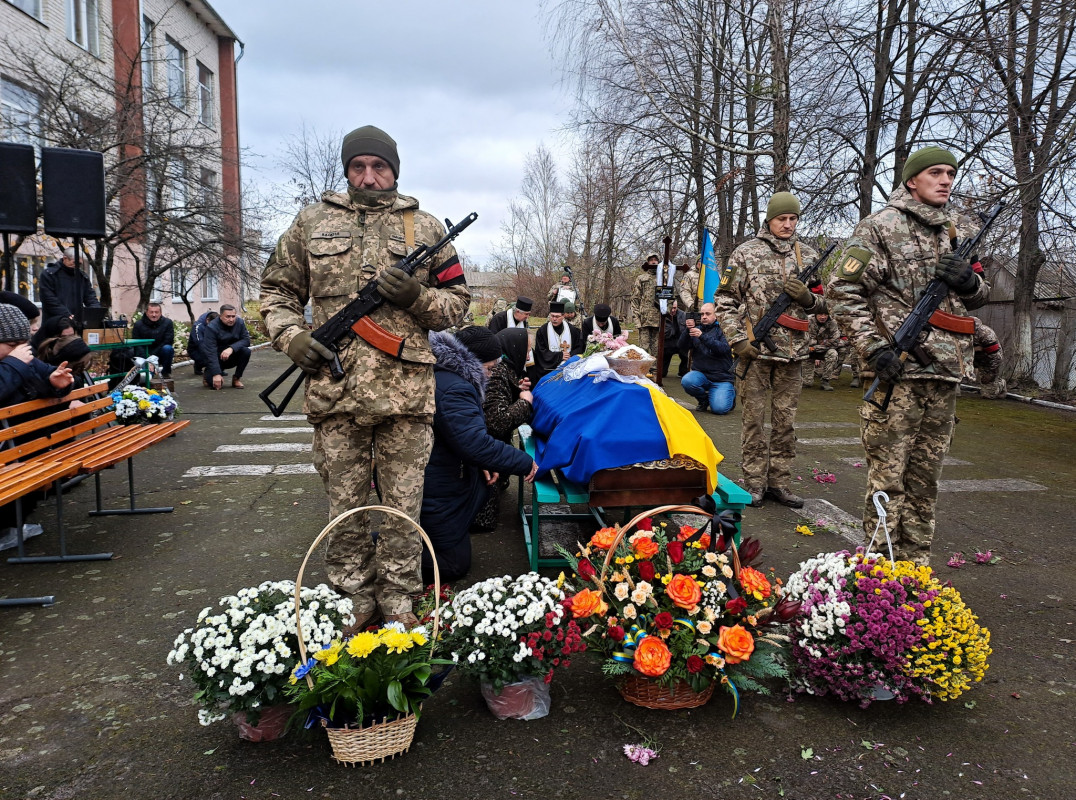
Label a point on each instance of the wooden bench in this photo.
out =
(628, 488)
(67, 442)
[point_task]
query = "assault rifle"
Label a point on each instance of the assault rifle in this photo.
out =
(353, 320)
(906, 340)
(760, 335)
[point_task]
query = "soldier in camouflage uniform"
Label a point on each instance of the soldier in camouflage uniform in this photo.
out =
(644, 308)
(758, 271)
(824, 338)
(988, 361)
(384, 406)
(688, 289)
(889, 260)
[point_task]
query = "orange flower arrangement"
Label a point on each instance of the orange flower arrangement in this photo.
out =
(652, 657)
(686, 532)
(736, 643)
(604, 538)
(755, 583)
(684, 591)
(588, 602)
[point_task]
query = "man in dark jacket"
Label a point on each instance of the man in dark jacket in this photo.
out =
(196, 341)
(154, 325)
(515, 316)
(711, 378)
(675, 325)
(65, 290)
(226, 344)
(465, 459)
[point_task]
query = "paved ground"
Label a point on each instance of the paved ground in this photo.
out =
(89, 709)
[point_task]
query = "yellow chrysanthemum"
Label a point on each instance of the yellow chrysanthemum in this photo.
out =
(330, 655)
(804, 530)
(419, 638)
(396, 641)
(362, 644)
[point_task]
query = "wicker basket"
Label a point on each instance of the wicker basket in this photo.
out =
(631, 366)
(646, 692)
(369, 743)
(650, 694)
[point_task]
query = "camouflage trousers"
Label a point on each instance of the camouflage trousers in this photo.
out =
(648, 340)
(374, 557)
(831, 367)
(767, 460)
(848, 355)
(905, 446)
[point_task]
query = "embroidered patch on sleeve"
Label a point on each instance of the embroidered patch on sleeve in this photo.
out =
(727, 274)
(854, 261)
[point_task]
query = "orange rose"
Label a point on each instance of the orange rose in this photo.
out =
(587, 603)
(754, 582)
(684, 591)
(645, 547)
(704, 541)
(604, 538)
(652, 657)
(736, 643)
(686, 532)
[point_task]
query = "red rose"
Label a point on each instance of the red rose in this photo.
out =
(736, 605)
(616, 633)
(647, 571)
(675, 551)
(695, 664)
(585, 570)
(646, 525)
(664, 620)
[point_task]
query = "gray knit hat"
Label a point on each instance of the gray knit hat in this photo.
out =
(370, 141)
(14, 326)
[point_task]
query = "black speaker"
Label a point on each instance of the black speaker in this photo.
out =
(18, 192)
(73, 192)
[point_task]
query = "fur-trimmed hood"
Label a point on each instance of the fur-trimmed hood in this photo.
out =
(453, 356)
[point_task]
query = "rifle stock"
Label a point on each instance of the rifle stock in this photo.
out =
(353, 320)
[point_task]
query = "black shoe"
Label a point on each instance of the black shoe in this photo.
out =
(785, 498)
(198, 370)
(703, 405)
(167, 375)
(757, 496)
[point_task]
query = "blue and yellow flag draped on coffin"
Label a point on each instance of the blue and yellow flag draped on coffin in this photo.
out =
(583, 427)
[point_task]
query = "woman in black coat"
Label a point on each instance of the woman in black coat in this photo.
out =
(465, 459)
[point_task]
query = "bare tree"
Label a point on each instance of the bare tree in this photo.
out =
(311, 160)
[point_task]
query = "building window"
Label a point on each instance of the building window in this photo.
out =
(209, 287)
(207, 187)
(20, 114)
(179, 285)
(205, 95)
(82, 24)
(149, 62)
(176, 58)
(180, 197)
(158, 290)
(28, 271)
(31, 7)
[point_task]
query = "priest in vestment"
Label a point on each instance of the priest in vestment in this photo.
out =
(555, 342)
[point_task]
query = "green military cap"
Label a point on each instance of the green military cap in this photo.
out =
(782, 203)
(370, 141)
(923, 158)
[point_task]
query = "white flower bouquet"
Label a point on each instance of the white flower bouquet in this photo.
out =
(133, 405)
(240, 656)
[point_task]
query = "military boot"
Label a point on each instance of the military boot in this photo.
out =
(826, 387)
(855, 384)
(757, 496)
(784, 497)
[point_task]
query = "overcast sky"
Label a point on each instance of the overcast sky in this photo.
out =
(466, 88)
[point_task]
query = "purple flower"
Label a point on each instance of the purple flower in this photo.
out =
(956, 561)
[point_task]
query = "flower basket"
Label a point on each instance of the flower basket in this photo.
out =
(677, 612)
(648, 693)
(386, 738)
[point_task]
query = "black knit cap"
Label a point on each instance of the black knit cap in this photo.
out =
(24, 304)
(72, 351)
(481, 341)
(14, 326)
(602, 312)
(370, 141)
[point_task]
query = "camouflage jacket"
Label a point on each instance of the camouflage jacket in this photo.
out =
(644, 308)
(688, 291)
(885, 267)
(332, 249)
(824, 337)
(753, 279)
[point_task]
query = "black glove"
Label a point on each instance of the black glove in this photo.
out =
(398, 287)
(798, 291)
(308, 353)
(958, 273)
(745, 350)
(887, 365)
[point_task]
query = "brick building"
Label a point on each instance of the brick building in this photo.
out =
(152, 83)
